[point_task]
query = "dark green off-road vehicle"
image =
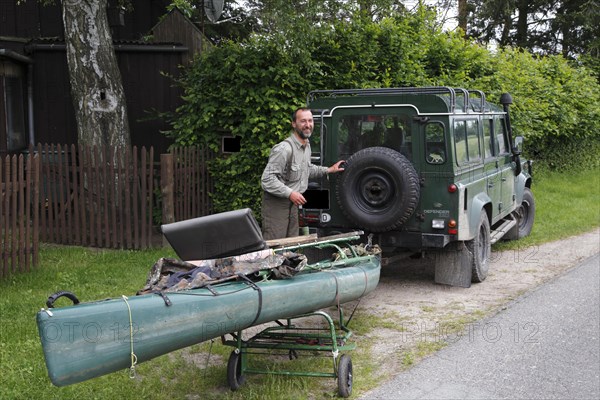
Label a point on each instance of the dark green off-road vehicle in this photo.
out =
(427, 169)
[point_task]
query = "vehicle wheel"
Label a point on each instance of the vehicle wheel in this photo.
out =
(345, 376)
(234, 371)
(524, 215)
(481, 248)
(379, 189)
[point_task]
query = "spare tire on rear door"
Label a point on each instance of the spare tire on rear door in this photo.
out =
(378, 190)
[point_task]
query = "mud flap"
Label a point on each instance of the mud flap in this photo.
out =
(454, 266)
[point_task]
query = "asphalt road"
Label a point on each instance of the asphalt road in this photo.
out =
(544, 345)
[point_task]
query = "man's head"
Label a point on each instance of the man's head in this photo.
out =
(302, 122)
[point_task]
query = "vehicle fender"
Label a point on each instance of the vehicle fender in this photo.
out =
(521, 182)
(469, 218)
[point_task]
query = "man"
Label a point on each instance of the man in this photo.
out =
(286, 176)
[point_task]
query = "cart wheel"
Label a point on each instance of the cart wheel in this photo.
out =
(345, 376)
(234, 371)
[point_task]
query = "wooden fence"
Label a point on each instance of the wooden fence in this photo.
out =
(19, 216)
(89, 198)
(80, 195)
(185, 184)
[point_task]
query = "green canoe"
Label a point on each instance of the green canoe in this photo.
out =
(88, 340)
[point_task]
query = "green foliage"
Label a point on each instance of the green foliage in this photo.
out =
(245, 91)
(556, 106)
(250, 89)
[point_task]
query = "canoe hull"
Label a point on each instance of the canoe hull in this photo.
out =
(93, 339)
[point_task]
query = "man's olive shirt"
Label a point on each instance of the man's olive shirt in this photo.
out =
(280, 178)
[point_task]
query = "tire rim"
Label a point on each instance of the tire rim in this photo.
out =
(483, 248)
(375, 191)
(523, 214)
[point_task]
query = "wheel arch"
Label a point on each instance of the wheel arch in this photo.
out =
(480, 202)
(520, 185)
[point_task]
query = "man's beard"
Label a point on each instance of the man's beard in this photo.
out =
(302, 134)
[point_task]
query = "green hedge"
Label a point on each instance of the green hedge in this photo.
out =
(556, 107)
(250, 89)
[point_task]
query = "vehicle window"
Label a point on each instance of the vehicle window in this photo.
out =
(435, 144)
(488, 143)
(501, 140)
(473, 145)
(466, 141)
(315, 139)
(460, 142)
(356, 132)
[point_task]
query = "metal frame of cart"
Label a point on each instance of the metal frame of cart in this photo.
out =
(286, 336)
(291, 338)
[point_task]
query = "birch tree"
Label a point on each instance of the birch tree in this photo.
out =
(96, 87)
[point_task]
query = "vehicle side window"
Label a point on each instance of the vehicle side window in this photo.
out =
(315, 139)
(488, 143)
(460, 142)
(473, 145)
(435, 144)
(501, 140)
(466, 141)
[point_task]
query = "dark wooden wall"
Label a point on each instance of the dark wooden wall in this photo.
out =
(30, 19)
(54, 119)
(36, 31)
(176, 27)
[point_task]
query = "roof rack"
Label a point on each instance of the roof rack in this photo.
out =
(481, 95)
(439, 90)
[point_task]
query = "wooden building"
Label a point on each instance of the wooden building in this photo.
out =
(35, 102)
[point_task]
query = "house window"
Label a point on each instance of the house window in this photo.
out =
(231, 144)
(15, 115)
(13, 135)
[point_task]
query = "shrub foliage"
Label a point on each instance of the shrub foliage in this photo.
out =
(250, 89)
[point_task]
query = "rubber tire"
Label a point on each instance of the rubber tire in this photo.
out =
(378, 190)
(481, 248)
(524, 215)
(344, 373)
(235, 379)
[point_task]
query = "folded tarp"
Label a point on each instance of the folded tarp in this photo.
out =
(172, 275)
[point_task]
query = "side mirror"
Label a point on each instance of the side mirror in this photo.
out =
(518, 146)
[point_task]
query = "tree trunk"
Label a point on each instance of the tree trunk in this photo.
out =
(96, 88)
(462, 16)
(521, 38)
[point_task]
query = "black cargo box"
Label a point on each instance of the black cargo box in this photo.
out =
(225, 234)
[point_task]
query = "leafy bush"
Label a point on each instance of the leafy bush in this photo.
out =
(556, 107)
(250, 89)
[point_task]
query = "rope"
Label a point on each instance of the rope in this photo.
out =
(254, 286)
(133, 356)
(208, 357)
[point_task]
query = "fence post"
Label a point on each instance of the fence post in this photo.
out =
(166, 188)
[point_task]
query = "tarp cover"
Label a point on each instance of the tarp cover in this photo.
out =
(171, 275)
